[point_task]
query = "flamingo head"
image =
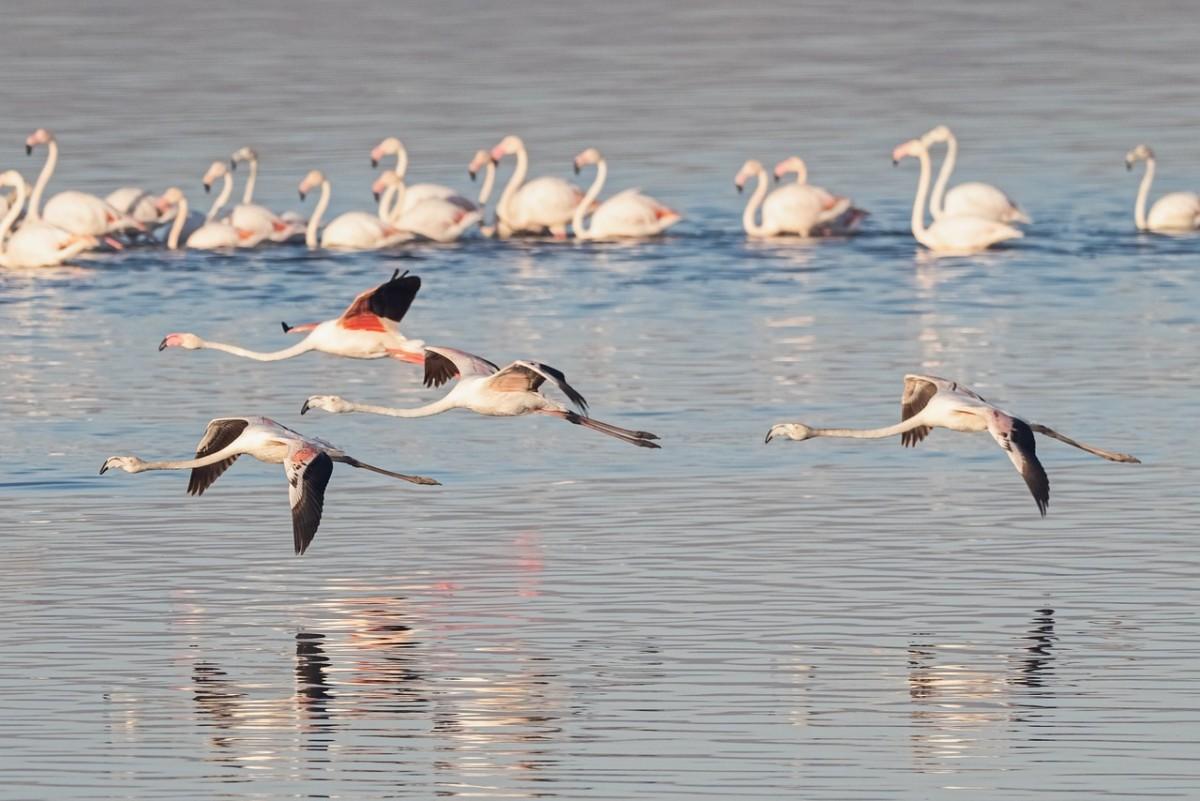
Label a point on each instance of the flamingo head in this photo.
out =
(938, 134)
(478, 162)
(789, 165)
(384, 181)
(796, 431)
(215, 170)
(508, 146)
(168, 200)
(242, 154)
(39, 137)
(14, 179)
(1137, 154)
(314, 178)
(589, 156)
(329, 403)
(388, 147)
(913, 147)
(751, 168)
(185, 341)
(130, 464)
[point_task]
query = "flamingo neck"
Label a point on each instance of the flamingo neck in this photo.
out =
(756, 199)
(181, 213)
(394, 197)
(592, 193)
(428, 410)
(314, 222)
(186, 464)
(303, 346)
(514, 183)
(1139, 209)
(401, 160)
(221, 199)
(918, 210)
(489, 179)
(14, 209)
(248, 192)
(868, 433)
(937, 206)
(35, 199)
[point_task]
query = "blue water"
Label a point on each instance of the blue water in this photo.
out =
(569, 617)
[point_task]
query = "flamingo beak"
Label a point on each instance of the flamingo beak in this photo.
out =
(472, 174)
(376, 196)
(738, 186)
(1128, 165)
(302, 194)
(233, 165)
(575, 164)
(104, 468)
(304, 408)
(895, 161)
(374, 162)
(29, 152)
(207, 188)
(162, 345)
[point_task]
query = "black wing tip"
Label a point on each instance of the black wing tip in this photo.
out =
(286, 327)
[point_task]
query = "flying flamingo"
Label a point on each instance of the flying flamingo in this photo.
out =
(368, 329)
(973, 199)
(1175, 212)
(486, 389)
(354, 230)
(543, 204)
(307, 465)
(75, 212)
(35, 244)
(198, 234)
(788, 211)
(482, 160)
(838, 215)
(949, 235)
(930, 402)
(434, 218)
(252, 216)
(625, 214)
(417, 192)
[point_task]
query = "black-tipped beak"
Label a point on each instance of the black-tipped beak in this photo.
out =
(495, 161)
(895, 162)
(777, 178)
(207, 188)
(374, 162)
(472, 174)
(162, 345)
(233, 165)
(738, 187)
(29, 152)
(575, 164)
(304, 408)
(104, 468)
(302, 196)
(376, 196)
(1128, 165)
(286, 327)
(768, 439)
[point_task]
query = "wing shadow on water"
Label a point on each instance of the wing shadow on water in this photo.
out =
(966, 703)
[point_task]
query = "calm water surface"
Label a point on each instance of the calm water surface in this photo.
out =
(569, 617)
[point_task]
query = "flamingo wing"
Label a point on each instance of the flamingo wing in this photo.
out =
(443, 364)
(220, 434)
(1015, 437)
(389, 301)
(308, 471)
(918, 390)
(526, 376)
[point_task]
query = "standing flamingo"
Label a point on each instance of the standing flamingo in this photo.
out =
(436, 219)
(416, 193)
(486, 389)
(353, 230)
(217, 170)
(1176, 212)
(253, 216)
(482, 160)
(930, 402)
(973, 199)
(72, 211)
(368, 329)
(788, 211)
(198, 234)
(838, 215)
(307, 464)
(627, 214)
(36, 244)
(543, 204)
(949, 235)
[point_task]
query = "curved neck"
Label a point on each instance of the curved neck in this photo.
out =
(585, 204)
(489, 179)
(392, 201)
(303, 346)
(35, 199)
(401, 160)
(14, 210)
(181, 213)
(428, 410)
(936, 205)
(221, 199)
(248, 192)
(918, 210)
(869, 433)
(514, 183)
(1139, 209)
(760, 192)
(314, 222)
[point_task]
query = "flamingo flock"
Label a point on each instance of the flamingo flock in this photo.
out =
(966, 219)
